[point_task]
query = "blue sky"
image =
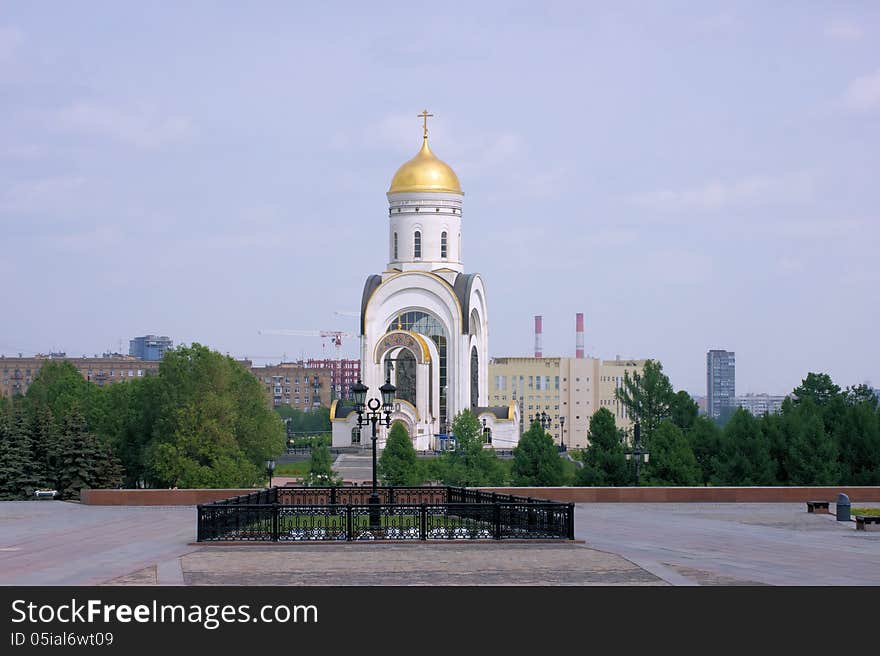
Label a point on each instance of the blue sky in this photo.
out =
(690, 176)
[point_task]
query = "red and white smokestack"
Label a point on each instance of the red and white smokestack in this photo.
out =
(539, 337)
(579, 336)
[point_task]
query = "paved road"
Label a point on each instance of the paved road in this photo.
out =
(355, 466)
(711, 544)
(60, 543)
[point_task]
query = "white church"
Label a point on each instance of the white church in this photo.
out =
(424, 321)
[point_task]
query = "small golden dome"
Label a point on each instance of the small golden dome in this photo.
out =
(425, 172)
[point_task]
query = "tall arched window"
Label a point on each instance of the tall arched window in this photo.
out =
(475, 378)
(443, 244)
(417, 244)
(395, 245)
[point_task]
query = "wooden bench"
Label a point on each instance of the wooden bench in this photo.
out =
(862, 521)
(818, 507)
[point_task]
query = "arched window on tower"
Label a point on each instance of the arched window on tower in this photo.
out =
(475, 377)
(417, 244)
(443, 244)
(395, 245)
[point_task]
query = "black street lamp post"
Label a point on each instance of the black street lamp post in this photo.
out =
(270, 469)
(487, 436)
(562, 438)
(378, 412)
(636, 451)
(542, 418)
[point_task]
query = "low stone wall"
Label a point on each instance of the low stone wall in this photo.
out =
(691, 494)
(156, 497)
(564, 494)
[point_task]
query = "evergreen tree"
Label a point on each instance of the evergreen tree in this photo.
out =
(469, 463)
(821, 392)
(812, 453)
(683, 410)
(45, 447)
(16, 457)
(859, 440)
(671, 460)
(79, 457)
(647, 397)
(321, 468)
(604, 458)
(536, 461)
(399, 464)
(744, 454)
(704, 437)
(773, 428)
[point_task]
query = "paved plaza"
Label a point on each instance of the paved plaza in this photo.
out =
(60, 543)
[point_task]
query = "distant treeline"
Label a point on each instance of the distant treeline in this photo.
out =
(201, 422)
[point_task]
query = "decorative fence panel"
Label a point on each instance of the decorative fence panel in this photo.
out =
(345, 514)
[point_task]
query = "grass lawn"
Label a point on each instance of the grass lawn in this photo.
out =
(298, 468)
(864, 511)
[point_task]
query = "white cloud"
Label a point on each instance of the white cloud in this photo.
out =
(844, 31)
(863, 94)
(754, 190)
(142, 127)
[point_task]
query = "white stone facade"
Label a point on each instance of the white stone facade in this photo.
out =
(430, 320)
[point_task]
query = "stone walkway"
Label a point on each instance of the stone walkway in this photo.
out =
(411, 564)
(59, 543)
(733, 543)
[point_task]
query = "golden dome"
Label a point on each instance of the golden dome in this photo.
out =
(425, 172)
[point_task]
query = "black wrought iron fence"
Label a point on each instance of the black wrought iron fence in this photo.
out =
(290, 514)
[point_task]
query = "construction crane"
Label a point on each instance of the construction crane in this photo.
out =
(334, 335)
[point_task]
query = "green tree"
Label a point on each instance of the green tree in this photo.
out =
(858, 394)
(536, 461)
(858, 437)
(773, 428)
(744, 454)
(84, 462)
(820, 391)
(321, 468)
(398, 464)
(812, 453)
(704, 437)
(212, 427)
(469, 464)
(604, 458)
(647, 397)
(60, 387)
(683, 410)
(671, 460)
(17, 468)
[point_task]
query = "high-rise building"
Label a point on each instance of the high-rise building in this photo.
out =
(720, 382)
(149, 347)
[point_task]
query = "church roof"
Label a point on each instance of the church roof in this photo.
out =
(500, 411)
(425, 172)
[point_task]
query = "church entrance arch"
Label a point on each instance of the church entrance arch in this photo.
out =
(400, 369)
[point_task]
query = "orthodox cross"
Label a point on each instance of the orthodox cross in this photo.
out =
(425, 115)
